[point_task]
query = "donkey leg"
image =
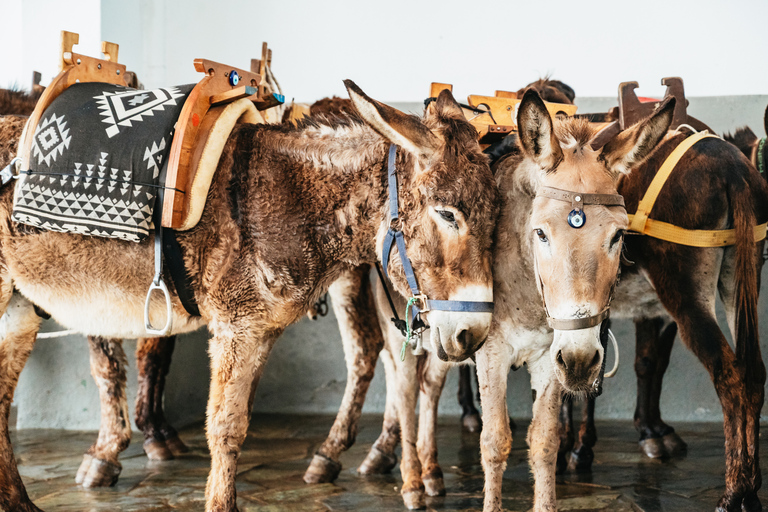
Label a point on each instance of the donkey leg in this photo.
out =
(407, 391)
(741, 404)
(238, 355)
(100, 467)
(172, 440)
(493, 363)
(470, 416)
(150, 358)
(742, 322)
(432, 383)
(542, 434)
(381, 457)
(18, 331)
(583, 453)
(652, 351)
(566, 436)
(362, 339)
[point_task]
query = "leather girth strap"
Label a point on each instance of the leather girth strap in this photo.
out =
(175, 261)
(640, 223)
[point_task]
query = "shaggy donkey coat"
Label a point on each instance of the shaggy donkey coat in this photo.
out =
(288, 210)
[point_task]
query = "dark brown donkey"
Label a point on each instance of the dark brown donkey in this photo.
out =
(289, 209)
(655, 334)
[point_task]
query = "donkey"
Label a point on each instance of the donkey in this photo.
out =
(553, 155)
(288, 210)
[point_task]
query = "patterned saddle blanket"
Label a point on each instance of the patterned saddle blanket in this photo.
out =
(96, 159)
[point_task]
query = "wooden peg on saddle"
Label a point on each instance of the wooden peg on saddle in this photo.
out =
(75, 68)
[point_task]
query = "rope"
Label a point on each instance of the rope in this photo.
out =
(56, 334)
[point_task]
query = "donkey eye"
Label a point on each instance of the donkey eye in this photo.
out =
(617, 237)
(449, 217)
(542, 236)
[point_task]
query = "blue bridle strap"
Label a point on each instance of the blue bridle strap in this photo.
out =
(394, 237)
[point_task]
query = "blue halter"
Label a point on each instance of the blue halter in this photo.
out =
(394, 237)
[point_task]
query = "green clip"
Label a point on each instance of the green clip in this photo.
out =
(408, 333)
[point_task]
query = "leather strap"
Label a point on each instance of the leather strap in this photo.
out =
(640, 223)
(640, 218)
(696, 237)
(574, 324)
(578, 200)
(175, 261)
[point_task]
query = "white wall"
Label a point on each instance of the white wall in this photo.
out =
(30, 36)
(394, 49)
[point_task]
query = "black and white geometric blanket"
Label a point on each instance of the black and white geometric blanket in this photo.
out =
(96, 159)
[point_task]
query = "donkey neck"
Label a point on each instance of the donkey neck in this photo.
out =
(513, 255)
(322, 188)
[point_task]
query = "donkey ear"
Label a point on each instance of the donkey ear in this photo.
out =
(445, 106)
(402, 129)
(536, 132)
(631, 146)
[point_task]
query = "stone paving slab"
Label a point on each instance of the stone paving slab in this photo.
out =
(279, 447)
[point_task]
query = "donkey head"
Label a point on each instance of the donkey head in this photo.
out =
(577, 259)
(448, 204)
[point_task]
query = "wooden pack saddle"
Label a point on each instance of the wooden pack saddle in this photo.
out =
(224, 97)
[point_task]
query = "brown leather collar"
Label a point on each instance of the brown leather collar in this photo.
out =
(578, 200)
(574, 324)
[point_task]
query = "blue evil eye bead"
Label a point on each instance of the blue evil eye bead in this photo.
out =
(234, 78)
(576, 219)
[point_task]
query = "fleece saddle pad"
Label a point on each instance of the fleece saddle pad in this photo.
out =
(96, 158)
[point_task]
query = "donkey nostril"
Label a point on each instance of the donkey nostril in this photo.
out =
(560, 359)
(595, 360)
(464, 338)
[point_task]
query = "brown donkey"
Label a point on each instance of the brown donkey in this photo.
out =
(288, 210)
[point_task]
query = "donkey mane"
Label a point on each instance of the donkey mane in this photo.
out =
(743, 138)
(17, 102)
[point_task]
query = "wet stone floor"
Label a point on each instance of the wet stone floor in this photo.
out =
(279, 447)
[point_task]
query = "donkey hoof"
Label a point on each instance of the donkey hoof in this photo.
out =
(176, 445)
(751, 503)
(433, 484)
(95, 472)
(581, 460)
(377, 462)
(157, 450)
(674, 444)
(729, 503)
(414, 500)
(322, 470)
(472, 422)
(653, 447)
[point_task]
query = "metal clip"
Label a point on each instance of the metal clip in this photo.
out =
(10, 171)
(423, 302)
(158, 284)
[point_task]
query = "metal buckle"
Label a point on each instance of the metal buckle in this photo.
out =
(165, 331)
(10, 171)
(423, 303)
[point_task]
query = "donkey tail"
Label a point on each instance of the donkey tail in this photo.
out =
(746, 287)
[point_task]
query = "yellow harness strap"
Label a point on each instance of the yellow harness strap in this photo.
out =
(640, 223)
